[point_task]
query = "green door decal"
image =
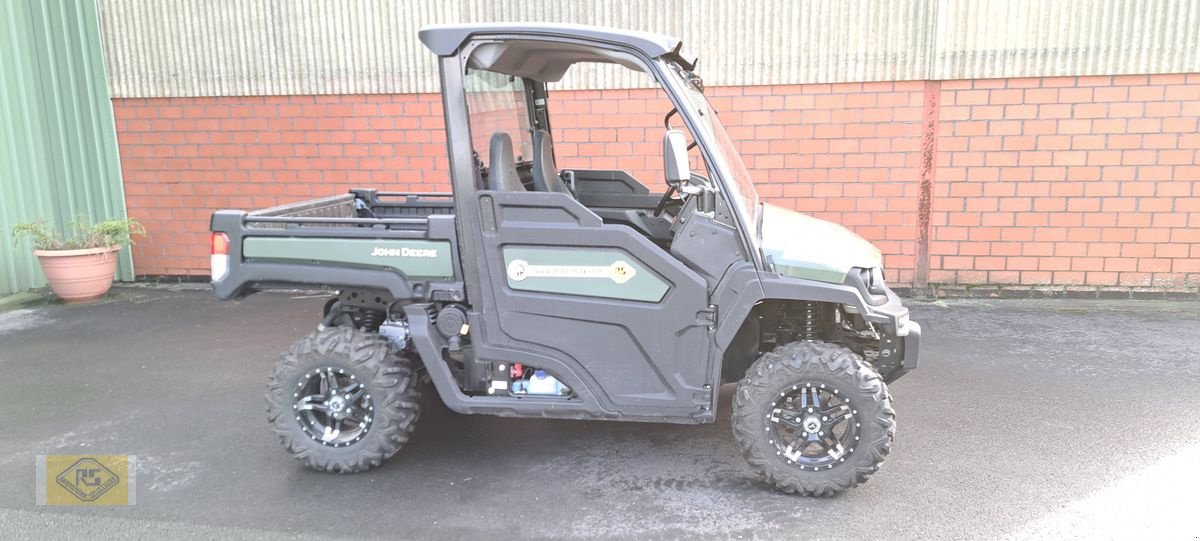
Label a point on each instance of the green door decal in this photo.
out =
(591, 272)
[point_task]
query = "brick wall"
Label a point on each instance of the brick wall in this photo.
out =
(183, 158)
(1088, 180)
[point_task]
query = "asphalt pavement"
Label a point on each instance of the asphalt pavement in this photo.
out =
(1027, 419)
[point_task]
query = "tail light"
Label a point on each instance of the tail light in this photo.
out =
(220, 256)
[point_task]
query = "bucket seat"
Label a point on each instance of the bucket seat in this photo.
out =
(502, 173)
(545, 172)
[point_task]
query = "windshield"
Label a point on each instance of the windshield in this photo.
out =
(729, 163)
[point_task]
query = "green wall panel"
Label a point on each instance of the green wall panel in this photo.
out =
(58, 144)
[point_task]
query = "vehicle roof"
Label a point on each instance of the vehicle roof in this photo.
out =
(444, 40)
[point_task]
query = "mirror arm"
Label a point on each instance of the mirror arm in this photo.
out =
(707, 201)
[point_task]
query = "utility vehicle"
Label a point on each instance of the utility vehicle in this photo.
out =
(584, 294)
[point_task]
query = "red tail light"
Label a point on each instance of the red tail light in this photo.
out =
(220, 256)
(220, 244)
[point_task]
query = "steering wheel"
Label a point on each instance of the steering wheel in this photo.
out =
(666, 198)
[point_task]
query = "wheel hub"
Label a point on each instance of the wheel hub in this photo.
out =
(332, 407)
(813, 426)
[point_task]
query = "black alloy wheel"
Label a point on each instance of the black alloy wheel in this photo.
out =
(333, 407)
(813, 426)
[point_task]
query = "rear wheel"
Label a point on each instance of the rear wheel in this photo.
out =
(343, 400)
(813, 418)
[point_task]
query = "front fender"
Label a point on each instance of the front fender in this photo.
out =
(744, 287)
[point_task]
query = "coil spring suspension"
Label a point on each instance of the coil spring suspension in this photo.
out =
(810, 321)
(369, 319)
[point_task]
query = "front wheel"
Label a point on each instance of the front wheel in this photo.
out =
(813, 418)
(343, 400)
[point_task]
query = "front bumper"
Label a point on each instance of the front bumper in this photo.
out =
(899, 338)
(900, 352)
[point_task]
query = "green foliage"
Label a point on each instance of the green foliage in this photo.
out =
(81, 235)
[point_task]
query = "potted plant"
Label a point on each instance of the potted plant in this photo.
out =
(80, 265)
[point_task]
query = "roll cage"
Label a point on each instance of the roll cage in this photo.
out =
(540, 54)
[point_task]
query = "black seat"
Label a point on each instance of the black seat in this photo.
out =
(502, 165)
(545, 172)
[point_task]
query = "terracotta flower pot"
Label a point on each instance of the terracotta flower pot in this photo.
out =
(79, 275)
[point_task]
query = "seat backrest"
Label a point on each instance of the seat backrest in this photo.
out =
(502, 165)
(545, 172)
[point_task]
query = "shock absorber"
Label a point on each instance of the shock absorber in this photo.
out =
(370, 319)
(811, 324)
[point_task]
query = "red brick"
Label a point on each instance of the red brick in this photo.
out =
(1075, 95)
(1109, 125)
(1041, 95)
(1006, 97)
(1094, 80)
(1074, 126)
(1182, 92)
(1055, 110)
(1144, 125)
(1185, 124)
(1112, 93)
(1036, 277)
(969, 97)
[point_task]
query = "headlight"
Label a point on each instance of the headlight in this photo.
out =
(876, 285)
(870, 283)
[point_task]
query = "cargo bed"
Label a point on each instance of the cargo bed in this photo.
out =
(402, 242)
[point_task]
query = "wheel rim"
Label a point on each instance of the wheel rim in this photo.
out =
(813, 426)
(333, 407)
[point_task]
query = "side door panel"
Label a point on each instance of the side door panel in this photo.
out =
(601, 299)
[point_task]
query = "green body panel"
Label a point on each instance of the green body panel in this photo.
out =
(598, 272)
(414, 258)
(805, 247)
(58, 142)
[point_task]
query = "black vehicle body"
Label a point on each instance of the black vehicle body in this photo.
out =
(641, 316)
(714, 286)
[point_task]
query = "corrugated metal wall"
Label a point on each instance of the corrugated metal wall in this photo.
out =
(265, 47)
(58, 147)
(980, 39)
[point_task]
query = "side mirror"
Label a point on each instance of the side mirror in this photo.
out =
(675, 158)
